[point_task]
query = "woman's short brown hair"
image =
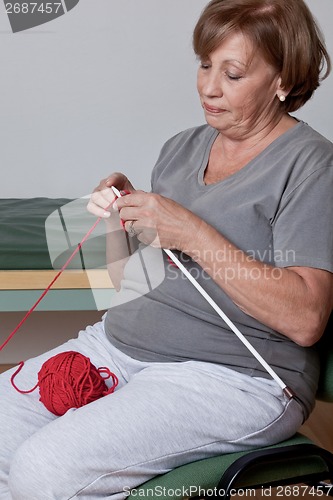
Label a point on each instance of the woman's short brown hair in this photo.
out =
(284, 31)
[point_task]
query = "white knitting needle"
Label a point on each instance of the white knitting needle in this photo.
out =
(222, 315)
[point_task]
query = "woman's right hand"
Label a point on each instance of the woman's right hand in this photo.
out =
(100, 203)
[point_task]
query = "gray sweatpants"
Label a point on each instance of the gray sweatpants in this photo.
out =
(162, 415)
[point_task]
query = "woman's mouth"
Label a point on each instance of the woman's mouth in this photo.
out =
(212, 109)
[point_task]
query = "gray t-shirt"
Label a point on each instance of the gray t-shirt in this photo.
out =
(278, 209)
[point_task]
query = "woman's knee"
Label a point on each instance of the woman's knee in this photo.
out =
(23, 473)
(32, 475)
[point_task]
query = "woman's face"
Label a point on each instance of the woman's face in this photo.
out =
(238, 89)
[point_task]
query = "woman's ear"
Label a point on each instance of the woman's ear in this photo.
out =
(280, 89)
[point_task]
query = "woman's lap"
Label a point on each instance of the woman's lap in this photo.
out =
(161, 415)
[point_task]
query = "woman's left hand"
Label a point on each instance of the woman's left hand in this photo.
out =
(157, 221)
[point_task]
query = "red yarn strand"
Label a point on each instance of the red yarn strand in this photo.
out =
(21, 364)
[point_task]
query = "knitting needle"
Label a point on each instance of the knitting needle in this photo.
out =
(222, 315)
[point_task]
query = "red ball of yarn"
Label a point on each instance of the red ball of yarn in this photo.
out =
(70, 380)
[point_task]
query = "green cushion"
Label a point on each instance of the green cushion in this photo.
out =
(27, 230)
(188, 479)
(22, 232)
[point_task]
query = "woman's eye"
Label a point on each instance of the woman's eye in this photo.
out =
(204, 65)
(233, 77)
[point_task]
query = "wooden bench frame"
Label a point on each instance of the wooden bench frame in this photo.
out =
(72, 290)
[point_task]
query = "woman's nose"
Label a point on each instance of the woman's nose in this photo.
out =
(211, 85)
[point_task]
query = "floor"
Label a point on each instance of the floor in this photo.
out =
(319, 428)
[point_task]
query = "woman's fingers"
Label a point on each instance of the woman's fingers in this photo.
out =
(100, 202)
(156, 220)
(102, 198)
(120, 181)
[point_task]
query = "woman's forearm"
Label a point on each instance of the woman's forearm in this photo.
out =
(294, 301)
(119, 247)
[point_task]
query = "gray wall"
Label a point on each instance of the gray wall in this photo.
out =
(101, 88)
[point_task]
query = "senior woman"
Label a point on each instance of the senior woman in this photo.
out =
(245, 201)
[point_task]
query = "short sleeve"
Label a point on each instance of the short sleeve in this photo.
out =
(302, 230)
